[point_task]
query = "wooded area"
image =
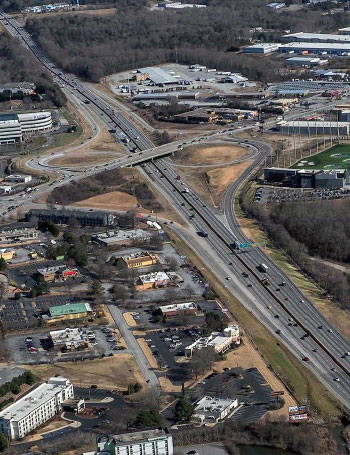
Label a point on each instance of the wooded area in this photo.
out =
(18, 65)
(318, 229)
(134, 36)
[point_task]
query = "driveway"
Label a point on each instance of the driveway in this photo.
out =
(133, 346)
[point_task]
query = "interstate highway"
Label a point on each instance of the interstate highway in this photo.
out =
(221, 259)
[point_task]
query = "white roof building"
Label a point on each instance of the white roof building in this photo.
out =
(121, 236)
(154, 277)
(178, 307)
(69, 338)
(35, 408)
(261, 48)
(220, 342)
(315, 37)
(213, 409)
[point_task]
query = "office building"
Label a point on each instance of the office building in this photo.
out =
(219, 342)
(148, 442)
(18, 178)
(211, 409)
(308, 178)
(152, 281)
(314, 127)
(179, 309)
(60, 216)
(261, 48)
(34, 409)
(14, 127)
(121, 237)
(137, 260)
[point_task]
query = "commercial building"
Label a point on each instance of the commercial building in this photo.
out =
(158, 76)
(211, 409)
(13, 127)
(302, 37)
(59, 272)
(69, 339)
(152, 281)
(68, 312)
(275, 5)
(316, 48)
(345, 115)
(305, 62)
(85, 218)
(17, 88)
(308, 178)
(119, 237)
(218, 342)
(7, 254)
(261, 48)
(344, 31)
(148, 442)
(179, 309)
(18, 236)
(18, 178)
(314, 127)
(137, 260)
(35, 408)
(312, 86)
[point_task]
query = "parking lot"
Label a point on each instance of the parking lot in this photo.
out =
(269, 195)
(35, 347)
(248, 386)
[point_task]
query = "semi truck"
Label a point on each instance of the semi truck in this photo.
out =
(123, 138)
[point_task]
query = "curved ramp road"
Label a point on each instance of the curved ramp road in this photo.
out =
(301, 328)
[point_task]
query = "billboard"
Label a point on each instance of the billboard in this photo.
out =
(293, 409)
(298, 418)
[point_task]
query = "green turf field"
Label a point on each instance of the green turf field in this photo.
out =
(337, 157)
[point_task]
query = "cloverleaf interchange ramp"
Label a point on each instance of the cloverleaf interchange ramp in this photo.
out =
(324, 348)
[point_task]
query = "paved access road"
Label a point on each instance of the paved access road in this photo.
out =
(324, 351)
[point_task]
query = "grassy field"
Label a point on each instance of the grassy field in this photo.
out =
(299, 380)
(337, 157)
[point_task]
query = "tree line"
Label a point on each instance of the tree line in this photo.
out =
(135, 36)
(318, 230)
(17, 64)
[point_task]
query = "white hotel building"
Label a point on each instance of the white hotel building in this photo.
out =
(13, 127)
(35, 408)
(148, 442)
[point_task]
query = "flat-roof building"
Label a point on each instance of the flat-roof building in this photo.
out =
(68, 339)
(308, 178)
(315, 38)
(305, 62)
(314, 127)
(18, 236)
(152, 281)
(147, 442)
(261, 48)
(338, 48)
(15, 88)
(211, 409)
(159, 76)
(138, 260)
(18, 178)
(218, 341)
(13, 127)
(60, 216)
(35, 408)
(121, 237)
(344, 31)
(178, 309)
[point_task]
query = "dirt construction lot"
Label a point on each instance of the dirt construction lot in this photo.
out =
(111, 372)
(116, 200)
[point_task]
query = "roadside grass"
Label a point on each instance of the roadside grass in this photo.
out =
(300, 381)
(325, 160)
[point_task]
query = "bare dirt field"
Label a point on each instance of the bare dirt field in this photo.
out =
(112, 372)
(116, 200)
(210, 182)
(129, 319)
(208, 154)
(89, 12)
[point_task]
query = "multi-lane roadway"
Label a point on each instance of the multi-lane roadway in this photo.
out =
(280, 307)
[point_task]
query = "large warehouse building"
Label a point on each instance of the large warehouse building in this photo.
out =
(316, 48)
(315, 38)
(314, 127)
(261, 48)
(13, 127)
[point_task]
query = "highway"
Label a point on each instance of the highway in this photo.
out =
(287, 310)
